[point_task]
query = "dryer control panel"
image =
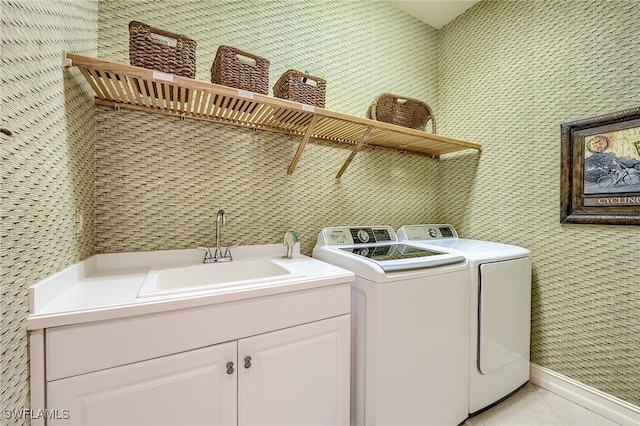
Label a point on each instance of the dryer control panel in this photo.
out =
(349, 235)
(427, 232)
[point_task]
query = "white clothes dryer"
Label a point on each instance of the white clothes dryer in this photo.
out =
(410, 327)
(500, 311)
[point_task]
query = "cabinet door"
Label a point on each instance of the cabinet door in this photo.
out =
(297, 376)
(189, 388)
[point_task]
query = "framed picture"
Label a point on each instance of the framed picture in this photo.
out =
(600, 169)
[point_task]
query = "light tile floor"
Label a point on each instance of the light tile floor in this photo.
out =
(536, 406)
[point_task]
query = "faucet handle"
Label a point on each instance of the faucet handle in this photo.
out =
(227, 252)
(207, 255)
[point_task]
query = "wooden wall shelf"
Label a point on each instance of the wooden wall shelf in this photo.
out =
(126, 86)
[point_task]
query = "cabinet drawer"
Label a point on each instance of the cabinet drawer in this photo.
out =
(78, 349)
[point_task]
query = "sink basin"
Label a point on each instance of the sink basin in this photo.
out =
(213, 276)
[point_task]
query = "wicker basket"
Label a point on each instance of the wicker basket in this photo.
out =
(236, 68)
(300, 87)
(154, 49)
(402, 111)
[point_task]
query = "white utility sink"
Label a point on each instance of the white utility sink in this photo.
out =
(214, 276)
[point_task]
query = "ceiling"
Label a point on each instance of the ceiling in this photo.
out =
(436, 13)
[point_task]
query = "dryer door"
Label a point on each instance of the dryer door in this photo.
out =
(504, 313)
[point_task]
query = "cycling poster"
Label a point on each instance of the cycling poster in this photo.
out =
(612, 162)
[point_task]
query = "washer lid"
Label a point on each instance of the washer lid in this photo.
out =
(402, 257)
(378, 245)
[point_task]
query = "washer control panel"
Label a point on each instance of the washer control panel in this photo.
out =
(350, 235)
(427, 232)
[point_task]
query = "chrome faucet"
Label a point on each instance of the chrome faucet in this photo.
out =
(217, 255)
(221, 220)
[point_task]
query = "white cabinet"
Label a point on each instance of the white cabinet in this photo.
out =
(101, 356)
(298, 376)
(294, 376)
(190, 388)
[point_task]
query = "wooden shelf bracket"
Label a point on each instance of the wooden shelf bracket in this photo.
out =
(303, 144)
(354, 152)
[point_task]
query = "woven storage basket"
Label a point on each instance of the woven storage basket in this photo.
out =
(402, 111)
(153, 48)
(236, 68)
(300, 87)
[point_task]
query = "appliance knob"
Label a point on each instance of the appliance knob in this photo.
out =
(363, 235)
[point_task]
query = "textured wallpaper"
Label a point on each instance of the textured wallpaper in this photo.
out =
(47, 169)
(161, 181)
(510, 74)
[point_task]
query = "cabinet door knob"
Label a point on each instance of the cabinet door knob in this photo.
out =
(230, 369)
(247, 362)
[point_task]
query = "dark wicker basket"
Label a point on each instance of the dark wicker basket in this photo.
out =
(300, 87)
(402, 111)
(149, 51)
(236, 68)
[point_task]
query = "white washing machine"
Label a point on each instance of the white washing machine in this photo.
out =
(500, 320)
(410, 327)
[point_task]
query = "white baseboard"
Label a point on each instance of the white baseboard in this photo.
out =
(615, 409)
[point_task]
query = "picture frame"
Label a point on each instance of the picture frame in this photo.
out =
(600, 169)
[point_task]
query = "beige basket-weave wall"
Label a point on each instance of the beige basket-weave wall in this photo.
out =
(47, 167)
(160, 182)
(511, 73)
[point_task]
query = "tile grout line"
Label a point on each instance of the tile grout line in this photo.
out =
(553, 410)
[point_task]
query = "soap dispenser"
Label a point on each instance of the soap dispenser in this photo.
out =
(290, 239)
